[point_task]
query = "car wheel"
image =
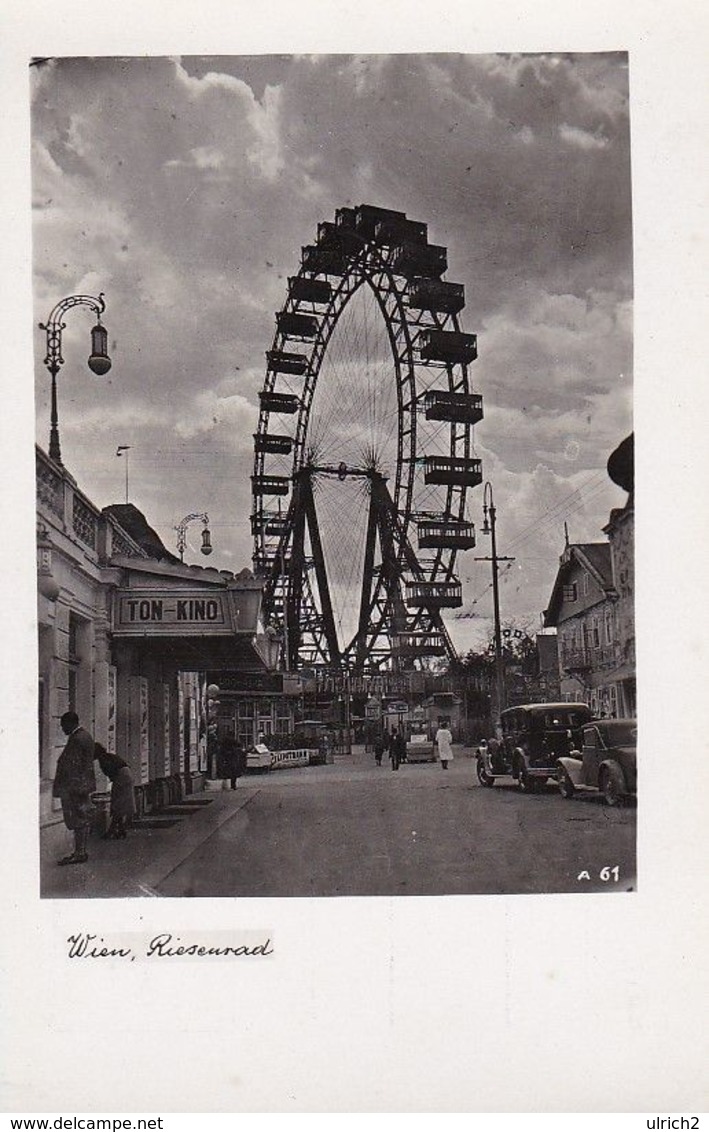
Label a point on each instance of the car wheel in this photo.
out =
(484, 778)
(613, 785)
(566, 786)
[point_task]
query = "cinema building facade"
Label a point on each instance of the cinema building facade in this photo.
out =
(127, 633)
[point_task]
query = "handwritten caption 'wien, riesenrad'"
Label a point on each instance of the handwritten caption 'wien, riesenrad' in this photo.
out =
(129, 946)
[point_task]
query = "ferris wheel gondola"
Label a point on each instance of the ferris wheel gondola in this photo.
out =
(363, 454)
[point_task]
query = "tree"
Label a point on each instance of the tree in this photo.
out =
(472, 676)
(519, 648)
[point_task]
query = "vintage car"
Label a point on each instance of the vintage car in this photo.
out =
(605, 761)
(533, 737)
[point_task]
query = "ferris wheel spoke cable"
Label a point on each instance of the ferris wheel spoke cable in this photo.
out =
(355, 356)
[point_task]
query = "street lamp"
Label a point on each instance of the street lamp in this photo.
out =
(490, 515)
(181, 529)
(99, 361)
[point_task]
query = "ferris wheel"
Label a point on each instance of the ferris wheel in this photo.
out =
(364, 449)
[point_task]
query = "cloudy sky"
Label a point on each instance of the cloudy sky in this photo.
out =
(185, 188)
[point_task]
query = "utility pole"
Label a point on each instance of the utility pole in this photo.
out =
(489, 529)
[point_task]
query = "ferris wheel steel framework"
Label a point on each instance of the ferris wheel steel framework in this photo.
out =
(377, 249)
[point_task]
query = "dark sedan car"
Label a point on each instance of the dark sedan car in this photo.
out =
(532, 738)
(606, 762)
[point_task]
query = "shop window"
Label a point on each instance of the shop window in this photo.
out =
(613, 702)
(283, 725)
(74, 626)
(245, 733)
(245, 724)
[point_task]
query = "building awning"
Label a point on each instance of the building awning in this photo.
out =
(190, 618)
(199, 654)
(161, 600)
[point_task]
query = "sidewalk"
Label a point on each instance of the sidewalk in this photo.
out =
(137, 866)
(134, 867)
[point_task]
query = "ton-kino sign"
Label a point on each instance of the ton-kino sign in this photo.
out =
(175, 613)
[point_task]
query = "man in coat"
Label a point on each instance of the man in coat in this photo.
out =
(397, 748)
(232, 759)
(74, 782)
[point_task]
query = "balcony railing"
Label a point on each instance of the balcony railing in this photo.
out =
(50, 485)
(84, 520)
(590, 658)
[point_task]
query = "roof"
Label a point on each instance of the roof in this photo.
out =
(532, 708)
(136, 525)
(442, 699)
(596, 558)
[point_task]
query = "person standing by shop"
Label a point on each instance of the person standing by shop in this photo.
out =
(444, 741)
(118, 772)
(74, 782)
(233, 760)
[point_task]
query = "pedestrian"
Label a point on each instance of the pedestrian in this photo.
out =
(443, 741)
(397, 747)
(74, 782)
(379, 748)
(122, 797)
(233, 759)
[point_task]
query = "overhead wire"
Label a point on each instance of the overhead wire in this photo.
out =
(597, 484)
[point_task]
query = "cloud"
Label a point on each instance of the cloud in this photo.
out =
(202, 157)
(209, 411)
(582, 138)
(185, 189)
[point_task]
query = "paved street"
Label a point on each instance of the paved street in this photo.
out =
(354, 829)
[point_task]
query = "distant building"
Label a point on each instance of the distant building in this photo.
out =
(620, 530)
(535, 679)
(592, 609)
(440, 708)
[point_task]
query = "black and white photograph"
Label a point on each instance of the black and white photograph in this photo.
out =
(343, 498)
(342, 346)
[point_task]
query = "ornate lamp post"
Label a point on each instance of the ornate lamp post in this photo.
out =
(181, 529)
(99, 361)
